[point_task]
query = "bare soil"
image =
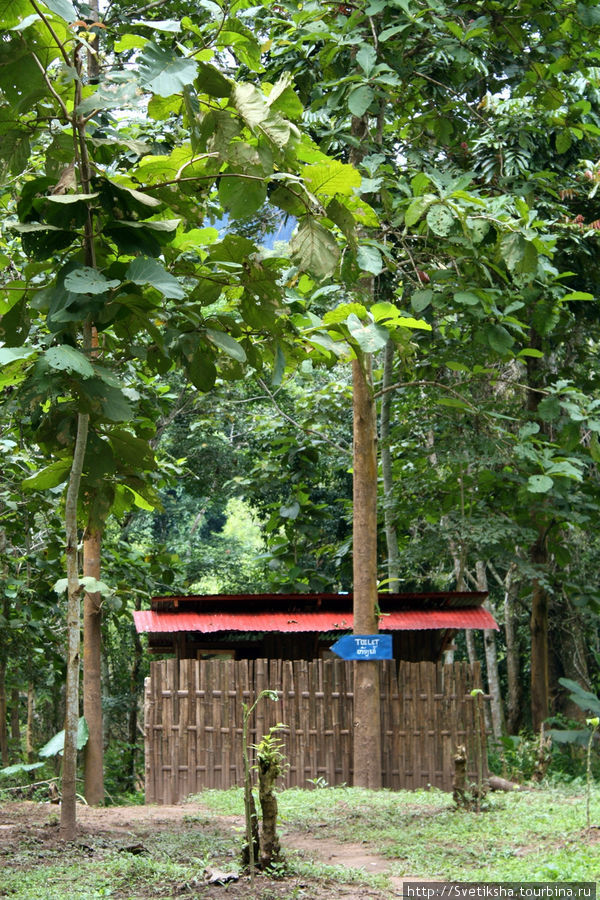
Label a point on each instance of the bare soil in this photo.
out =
(29, 836)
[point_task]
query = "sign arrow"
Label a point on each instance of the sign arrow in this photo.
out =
(364, 646)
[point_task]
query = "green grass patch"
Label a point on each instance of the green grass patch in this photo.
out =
(536, 835)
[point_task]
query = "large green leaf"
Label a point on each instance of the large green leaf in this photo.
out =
(88, 281)
(201, 371)
(241, 197)
(20, 768)
(360, 99)
(164, 72)
(259, 116)
(9, 354)
(440, 219)
(51, 476)
(314, 248)
(63, 8)
(499, 338)
(12, 12)
(370, 338)
(328, 179)
(211, 81)
(519, 254)
(369, 259)
(56, 744)
(111, 95)
(585, 700)
(145, 270)
(68, 359)
(539, 484)
(227, 344)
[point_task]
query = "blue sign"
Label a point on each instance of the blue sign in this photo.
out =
(364, 646)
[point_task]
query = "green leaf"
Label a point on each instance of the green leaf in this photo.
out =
(328, 179)
(20, 768)
(440, 219)
(140, 501)
(242, 198)
(227, 344)
(70, 198)
(314, 249)
(369, 259)
(577, 295)
(341, 216)
(67, 359)
(531, 351)
(145, 270)
(9, 354)
(51, 476)
(201, 371)
(585, 700)
(256, 112)
(62, 8)
(212, 82)
(88, 281)
(56, 744)
(172, 26)
(453, 402)
(519, 254)
(93, 586)
(417, 208)
(499, 338)
(130, 42)
(164, 72)
(366, 58)
(360, 99)
(420, 300)
(549, 409)
(291, 511)
(539, 484)
(563, 141)
(467, 298)
(370, 338)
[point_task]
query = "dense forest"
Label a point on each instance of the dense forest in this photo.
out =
(223, 229)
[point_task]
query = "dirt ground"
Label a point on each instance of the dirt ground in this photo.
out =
(124, 828)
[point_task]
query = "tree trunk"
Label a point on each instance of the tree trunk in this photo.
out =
(68, 815)
(133, 701)
(15, 725)
(92, 677)
(3, 714)
(29, 733)
(540, 679)
(391, 535)
(540, 673)
(471, 649)
(570, 655)
(491, 658)
(367, 726)
(514, 704)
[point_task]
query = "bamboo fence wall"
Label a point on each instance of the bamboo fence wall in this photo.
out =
(193, 722)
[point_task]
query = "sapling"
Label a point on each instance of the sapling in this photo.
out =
(252, 842)
(269, 763)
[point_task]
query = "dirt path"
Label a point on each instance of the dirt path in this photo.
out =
(133, 822)
(334, 853)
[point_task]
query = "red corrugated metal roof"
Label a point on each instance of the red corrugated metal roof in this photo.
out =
(210, 622)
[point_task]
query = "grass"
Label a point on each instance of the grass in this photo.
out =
(536, 835)
(531, 836)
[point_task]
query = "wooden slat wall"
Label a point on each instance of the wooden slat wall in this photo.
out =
(194, 710)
